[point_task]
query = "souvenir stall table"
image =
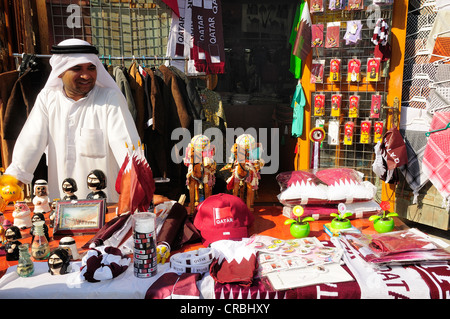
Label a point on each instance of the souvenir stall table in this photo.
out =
(408, 282)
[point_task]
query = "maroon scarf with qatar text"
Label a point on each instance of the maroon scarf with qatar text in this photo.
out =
(208, 48)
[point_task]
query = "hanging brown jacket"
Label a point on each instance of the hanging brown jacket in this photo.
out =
(7, 81)
(137, 88)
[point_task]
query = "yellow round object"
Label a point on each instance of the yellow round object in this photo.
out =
(298, 211)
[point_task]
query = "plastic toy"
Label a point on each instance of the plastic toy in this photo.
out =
(299, 227)
(69, 187)
(12, 243)
(59, 262)
(384, 223)
(10, 191)
(40, 200)
(340, 221)
(96, 181)
(22, 215)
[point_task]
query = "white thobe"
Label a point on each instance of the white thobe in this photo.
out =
(91, 133)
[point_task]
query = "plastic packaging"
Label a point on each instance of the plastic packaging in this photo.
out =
(325, 186)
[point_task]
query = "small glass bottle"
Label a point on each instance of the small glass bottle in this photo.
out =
(40, 249)
(25, 267)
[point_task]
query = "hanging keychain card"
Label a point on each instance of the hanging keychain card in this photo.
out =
(378, 131)
(336, 101)
(375, 107)
(353, 33)
(335, 70)
(365, 132)
(319, 104)
(335, 4)
(316, 6)
(353, 106)
(348, 133)
(354, 70)
(317, 35)
(317, 71)
(332, 37)
(355, 5)
(373, 69)
(333, 132)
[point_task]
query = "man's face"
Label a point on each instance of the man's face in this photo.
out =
(79, 80)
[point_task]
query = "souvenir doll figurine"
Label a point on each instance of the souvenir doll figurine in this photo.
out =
(96, 181)
(59, 262)
(38, 217)
(22, 215)
(12, 244)
(41, 200)
(69, 187)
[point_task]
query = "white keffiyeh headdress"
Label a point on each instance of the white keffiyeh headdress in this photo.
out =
(64, 58)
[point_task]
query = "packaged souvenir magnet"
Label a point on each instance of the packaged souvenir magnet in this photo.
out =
(317, 70)
(335, 70)
(317, 35)
(335, 4)
(336, 101)
(332, 38)
(373, 69)
(354, 70)
(355, 5)
(378, 131)
(375, 108)
(353, 33)
(348, 133)
(316, 6)
(333, 132)
(365, 132)
(353, 106)
(319, 104)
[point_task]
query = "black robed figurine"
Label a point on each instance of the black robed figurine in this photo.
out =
(96, 181)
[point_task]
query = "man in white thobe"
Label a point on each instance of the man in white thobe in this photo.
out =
(80, 119)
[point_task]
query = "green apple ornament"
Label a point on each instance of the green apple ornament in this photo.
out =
(299, 227)
(383, 223)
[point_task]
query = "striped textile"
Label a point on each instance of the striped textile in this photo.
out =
(436, 159)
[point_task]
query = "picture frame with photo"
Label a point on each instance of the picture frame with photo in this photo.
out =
(84, 216)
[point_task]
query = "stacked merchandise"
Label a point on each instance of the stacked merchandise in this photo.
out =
(396, 248)
(321, 191)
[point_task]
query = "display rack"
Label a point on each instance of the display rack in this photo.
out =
(359, 154)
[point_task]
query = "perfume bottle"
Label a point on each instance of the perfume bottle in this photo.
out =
(40, 249)
(25, 267)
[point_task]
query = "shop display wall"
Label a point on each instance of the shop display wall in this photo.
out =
(341, 152)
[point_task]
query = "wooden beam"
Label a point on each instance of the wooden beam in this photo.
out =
(42, 18)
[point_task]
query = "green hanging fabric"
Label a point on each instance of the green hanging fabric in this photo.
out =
(298, 104)
(295, 66)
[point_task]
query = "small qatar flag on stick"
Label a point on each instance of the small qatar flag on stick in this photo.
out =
(136, 186)
(135, 183)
